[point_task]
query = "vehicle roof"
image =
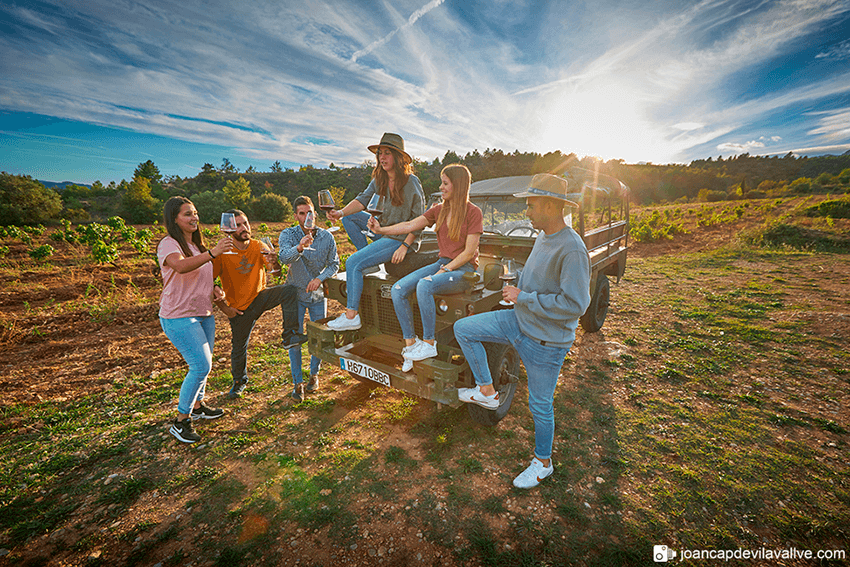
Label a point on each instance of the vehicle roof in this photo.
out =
(505, 187)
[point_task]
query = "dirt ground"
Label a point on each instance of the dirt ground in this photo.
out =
(49, 353)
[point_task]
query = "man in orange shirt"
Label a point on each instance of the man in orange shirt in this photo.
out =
(246, 297)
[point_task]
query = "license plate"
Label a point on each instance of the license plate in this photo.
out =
(365, 371)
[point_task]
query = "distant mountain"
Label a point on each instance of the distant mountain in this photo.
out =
(61, 185)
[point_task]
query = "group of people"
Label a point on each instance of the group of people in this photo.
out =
(551, 294)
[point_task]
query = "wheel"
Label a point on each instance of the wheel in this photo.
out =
(526, 229)
(594, 317)
(503, 362)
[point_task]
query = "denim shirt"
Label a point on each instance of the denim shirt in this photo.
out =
(322, 263)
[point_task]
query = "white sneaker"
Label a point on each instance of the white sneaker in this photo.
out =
(343, 323)
(422, 350)
(536, 471)
(407, 349)
(407, 366)
(474, 396)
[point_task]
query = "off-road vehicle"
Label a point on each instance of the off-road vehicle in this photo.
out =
(373, 352)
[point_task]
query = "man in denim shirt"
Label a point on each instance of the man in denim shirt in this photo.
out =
(312, 259)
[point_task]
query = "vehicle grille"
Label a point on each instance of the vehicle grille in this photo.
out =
(386, 319)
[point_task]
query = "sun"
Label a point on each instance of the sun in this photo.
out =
(606, 122)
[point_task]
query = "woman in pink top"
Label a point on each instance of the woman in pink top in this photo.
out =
(185, 308)
(459, 226)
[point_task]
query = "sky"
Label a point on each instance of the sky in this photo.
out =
(89, 89)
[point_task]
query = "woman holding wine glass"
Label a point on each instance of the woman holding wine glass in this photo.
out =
(393, 179)
(459, 225)
(185, 308)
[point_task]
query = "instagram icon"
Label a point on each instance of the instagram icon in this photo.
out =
(661, 554)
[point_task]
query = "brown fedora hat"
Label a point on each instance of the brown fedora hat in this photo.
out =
(394, 141)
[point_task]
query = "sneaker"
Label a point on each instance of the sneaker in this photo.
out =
(236, 390)
(474, 396)
(343, 323)
(536, 471)
(203, 412)
(422, 350)
(298, 392)
(183, 430)
(291, 339)
(313, 384)
(407, 366)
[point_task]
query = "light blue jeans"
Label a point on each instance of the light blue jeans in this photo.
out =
(448, 282)
(194, 338)
(542, 366)
(354, 224)
(317, 311)
(376, 253)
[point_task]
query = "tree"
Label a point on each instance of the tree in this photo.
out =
(271, 207)
(227, 167)
(276, 168)
(138, 205)
(149, 171)
(210, 205)
(25, 201)
(450, 157)
(238, 192)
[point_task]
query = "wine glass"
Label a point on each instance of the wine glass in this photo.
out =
(434, 199)
(326, 201)
(376, 209)
(509, 274)
(269, 253)
(228, 226)
(310, 225)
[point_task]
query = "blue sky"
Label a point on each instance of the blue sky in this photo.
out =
(90, 89)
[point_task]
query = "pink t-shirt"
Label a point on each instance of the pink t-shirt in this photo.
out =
(184, 295)
(473, 223)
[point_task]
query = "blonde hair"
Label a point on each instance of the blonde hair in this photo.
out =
(460, 179)
(403, 170)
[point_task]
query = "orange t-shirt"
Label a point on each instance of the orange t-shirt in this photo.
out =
(243, 274)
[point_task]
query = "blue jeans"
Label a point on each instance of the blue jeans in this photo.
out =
(542, 366)
(194, 338)
(317, 310)
(354, 224)
(376, 253)
(448, 282)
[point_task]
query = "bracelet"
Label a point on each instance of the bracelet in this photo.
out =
(211, 254)
(405, 244)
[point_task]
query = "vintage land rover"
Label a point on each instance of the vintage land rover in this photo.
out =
(373, 352)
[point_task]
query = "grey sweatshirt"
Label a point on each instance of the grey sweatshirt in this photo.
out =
(554, 288)
(412, 205)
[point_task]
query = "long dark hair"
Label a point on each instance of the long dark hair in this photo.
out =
(169, 217)
(403, 171)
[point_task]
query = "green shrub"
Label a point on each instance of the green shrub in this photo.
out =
(836, 208)
(42, 252)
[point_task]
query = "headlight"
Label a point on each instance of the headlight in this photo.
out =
(442, 306)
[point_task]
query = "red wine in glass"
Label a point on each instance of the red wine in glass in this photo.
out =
(326, 201)
(509, 274)
(376, 209)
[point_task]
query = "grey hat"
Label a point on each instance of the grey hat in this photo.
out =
(394, 141)
(547, 185)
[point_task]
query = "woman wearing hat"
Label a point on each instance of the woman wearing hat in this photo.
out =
(392, 177)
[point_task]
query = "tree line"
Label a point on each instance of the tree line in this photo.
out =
(267, 196)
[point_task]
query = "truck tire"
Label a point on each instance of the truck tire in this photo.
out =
(503, 361)
(594, 317)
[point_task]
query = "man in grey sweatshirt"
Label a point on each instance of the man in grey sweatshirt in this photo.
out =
(552, 293)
